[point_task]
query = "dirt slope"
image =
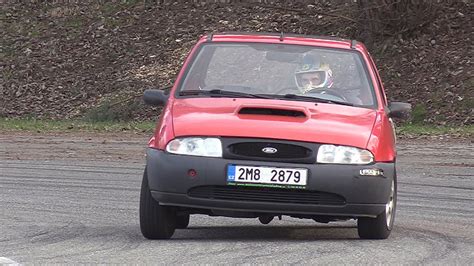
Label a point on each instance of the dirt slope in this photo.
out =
(63, 61)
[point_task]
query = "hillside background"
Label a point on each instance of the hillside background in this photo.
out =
(93, 59)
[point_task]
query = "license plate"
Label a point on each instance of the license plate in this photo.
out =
(266, 176)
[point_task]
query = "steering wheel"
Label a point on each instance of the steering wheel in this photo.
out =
(327, 91)
(317, 92)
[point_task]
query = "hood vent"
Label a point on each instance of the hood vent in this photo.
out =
(271, 111)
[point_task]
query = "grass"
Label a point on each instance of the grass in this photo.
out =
(433, 130)
(47, 125)
(418, 114)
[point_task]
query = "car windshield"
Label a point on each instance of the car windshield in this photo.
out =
(292, 72)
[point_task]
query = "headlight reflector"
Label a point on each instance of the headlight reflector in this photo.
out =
(197, 146)
(343, 155)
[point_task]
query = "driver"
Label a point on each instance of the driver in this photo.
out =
(312, 75)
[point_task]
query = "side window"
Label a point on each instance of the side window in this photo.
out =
(349, 76)
(379, 81)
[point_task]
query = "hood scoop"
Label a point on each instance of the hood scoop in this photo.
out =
(274, 110)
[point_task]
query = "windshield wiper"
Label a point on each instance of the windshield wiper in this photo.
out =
(313, 99)
(223, 93)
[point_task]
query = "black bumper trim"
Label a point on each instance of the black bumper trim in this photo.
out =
(348, 210)
(276, 195)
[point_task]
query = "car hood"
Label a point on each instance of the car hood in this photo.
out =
(281, 119)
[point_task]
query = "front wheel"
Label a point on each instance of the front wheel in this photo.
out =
(156, 221)
(381, 226)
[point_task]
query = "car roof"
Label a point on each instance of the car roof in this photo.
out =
(288, 38)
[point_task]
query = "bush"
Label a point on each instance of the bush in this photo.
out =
(395, 17)
(113, 111)
(418, 114)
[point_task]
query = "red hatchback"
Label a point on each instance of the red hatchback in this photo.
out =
(264, 125)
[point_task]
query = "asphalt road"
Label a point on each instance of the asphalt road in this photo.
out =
(74, 199)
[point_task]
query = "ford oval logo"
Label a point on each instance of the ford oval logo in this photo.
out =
(269, 150)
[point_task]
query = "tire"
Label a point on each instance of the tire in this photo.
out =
(182, 221)
(156, 222)
(380, 227)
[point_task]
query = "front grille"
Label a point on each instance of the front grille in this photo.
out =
(274, 195)
(283, 151)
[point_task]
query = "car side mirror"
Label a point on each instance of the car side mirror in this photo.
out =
(399, 109)
(155, 97)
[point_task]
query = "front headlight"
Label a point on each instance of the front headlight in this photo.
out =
(197, 146)
(343, 155)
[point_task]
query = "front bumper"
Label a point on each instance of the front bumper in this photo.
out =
(366, 196)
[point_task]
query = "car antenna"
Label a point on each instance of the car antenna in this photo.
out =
(281, 36)
(209, 37)
(353, 44)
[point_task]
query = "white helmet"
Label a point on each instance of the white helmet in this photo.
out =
(313, 74)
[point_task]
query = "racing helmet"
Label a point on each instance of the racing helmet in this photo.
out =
(313, 74)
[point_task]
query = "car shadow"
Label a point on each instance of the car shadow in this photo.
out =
(270, 233)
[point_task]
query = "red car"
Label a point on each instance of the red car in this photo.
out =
(263, 125)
